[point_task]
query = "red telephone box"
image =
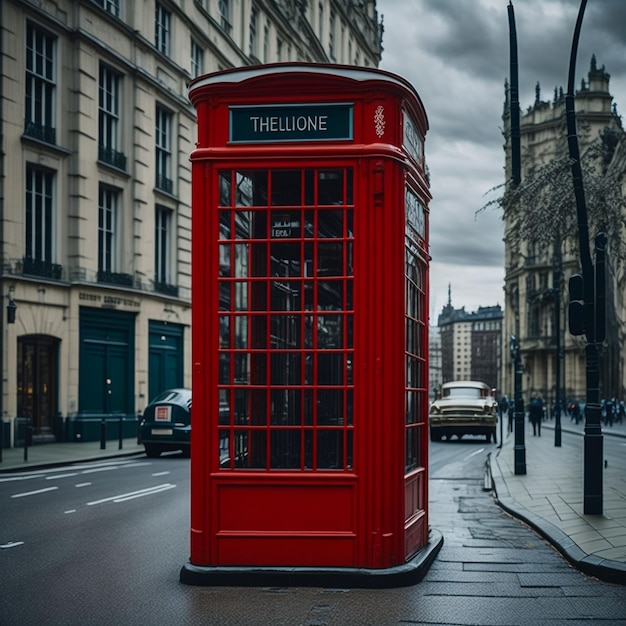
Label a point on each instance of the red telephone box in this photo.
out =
(310, 327)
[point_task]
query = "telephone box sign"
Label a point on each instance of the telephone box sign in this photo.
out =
(295, 122)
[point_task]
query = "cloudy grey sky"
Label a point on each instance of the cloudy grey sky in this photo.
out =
(456, 54)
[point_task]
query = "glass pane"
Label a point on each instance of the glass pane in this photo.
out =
(329, 331)
(225, 224)
(349, 333)
(224, 370)
(225, 189)
(241, 295)
(330, 295)
(254, 453)
(224, 256)
(285, 331)
(285, 449)
(243, 224)
(286, 368)
(309, 188)
(286, 187)
(285, 295)
(309, 438)
(242, 255)
(349, 188)
(251, 188)
(242, 410)
(258, 370)
(330, 259)
(258, 334)
(285, 224)
(411, 407)
(330, 449)
(308, 406)
(242, 368)
(412, 448)
(330, 410)
(330, 368)
(330, 223)
(224, 331)
(241, 331)
(286, 259)
(349, 405)
(224, 448)
(258, 407)
(286, 407)
(258, 260)
(330, 187)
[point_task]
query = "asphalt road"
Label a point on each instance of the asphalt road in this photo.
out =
(103, 543)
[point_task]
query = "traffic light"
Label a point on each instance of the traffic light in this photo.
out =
(576, 307)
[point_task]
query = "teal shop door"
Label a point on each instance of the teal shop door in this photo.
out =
(107, 352)
(166, 365)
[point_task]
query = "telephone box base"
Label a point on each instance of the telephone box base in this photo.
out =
(408, 573)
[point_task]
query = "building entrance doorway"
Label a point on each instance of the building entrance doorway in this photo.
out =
(37, 382)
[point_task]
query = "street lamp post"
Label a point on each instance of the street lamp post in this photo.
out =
(556, 291)
(519, 449)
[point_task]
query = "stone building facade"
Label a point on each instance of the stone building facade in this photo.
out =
(471, 344)
(95, 186)
(536, 277)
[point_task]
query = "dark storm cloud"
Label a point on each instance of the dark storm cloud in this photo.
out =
(456, 54)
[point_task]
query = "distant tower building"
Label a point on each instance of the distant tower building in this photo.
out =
(434, 361)
(471, 343)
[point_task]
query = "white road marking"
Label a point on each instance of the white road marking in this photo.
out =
(60, 476)
(70, 511)
(24, 477)
(160, 474)
(33, 493)
(83, 484)
(469, 456)
(12, 544)
(139, 495)
(133, 494)
(99, 469)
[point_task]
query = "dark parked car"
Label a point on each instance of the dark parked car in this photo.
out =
(166, 423)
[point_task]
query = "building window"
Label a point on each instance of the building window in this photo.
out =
(331, 37)
(109, 119)
(162, 27)
(111, 6)
(254, 19)
(40, 85)
(279, 49)
(40, 224)
(162, 261)
(320, 11)
(266, 42)
(197, 59)
(224, 7)
(108, 200)
(163, 133)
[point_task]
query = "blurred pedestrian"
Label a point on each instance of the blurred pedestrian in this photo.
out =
(535, 414)
(504, 408)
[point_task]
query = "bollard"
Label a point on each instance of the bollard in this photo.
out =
(138, 428)
(28, 436)
(103, 433)
(121, 431)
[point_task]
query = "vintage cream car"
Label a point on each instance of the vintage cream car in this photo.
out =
(466, 407)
